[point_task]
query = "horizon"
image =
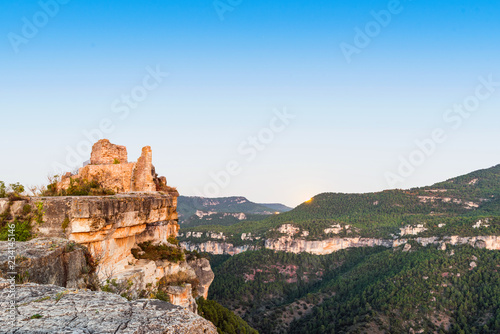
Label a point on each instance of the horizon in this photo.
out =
(273, 102)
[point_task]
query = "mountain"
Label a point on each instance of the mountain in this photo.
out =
(422, 260)
(196, 211)
(277, 207)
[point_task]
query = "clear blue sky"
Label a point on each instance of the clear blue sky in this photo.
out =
(353, 120)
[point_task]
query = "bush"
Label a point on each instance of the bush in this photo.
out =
(17, 188)
(195, 255)
(26, 209)
(21, 231)
(172, 240)
(65, 224)
(77, 187)
(162, 296)
(3, 190)
(38, 215)
(160, 252)
(13, 191)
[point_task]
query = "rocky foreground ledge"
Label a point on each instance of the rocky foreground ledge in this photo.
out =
(52, 309)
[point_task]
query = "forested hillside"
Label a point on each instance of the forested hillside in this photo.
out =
(439, 288)
(371, 290)
(225, 211)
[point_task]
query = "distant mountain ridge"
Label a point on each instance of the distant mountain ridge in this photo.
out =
(195, 211)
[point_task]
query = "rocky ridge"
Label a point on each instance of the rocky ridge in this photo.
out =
(293, 241)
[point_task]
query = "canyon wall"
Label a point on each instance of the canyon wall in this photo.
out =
(217, 248)
(291, 244)
(110, 227)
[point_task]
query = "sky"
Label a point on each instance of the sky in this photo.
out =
(275, 101)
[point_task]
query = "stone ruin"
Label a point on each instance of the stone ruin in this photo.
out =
(110, 167)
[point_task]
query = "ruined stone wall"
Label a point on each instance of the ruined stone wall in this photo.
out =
(110, 168)
(142, 178)
(103, 153)
(115, 177)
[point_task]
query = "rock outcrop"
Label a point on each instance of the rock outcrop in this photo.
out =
(322, 247)
(204, 274)
(182, 296)
(217, 248)
(49, 261)
(53, 309)
(142, 177)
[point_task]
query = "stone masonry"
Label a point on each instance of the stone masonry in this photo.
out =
(110, 167)
(105, 153)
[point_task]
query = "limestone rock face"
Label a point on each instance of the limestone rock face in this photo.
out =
(82, 311)
(49, 261)
(321, 247)
(412, 230)
(205, 275)
(104, 153)
(294, 243)
(217, 248)
(110, 226)
(182, 296)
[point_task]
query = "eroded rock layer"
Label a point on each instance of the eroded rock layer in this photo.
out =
(110, 227)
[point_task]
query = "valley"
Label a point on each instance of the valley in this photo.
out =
(422, 260)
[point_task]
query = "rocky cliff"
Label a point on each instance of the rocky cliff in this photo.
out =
(110, 226)
(217, 248)
(294, 241)
(111, 229)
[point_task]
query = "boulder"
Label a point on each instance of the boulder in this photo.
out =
(49, 261)
(53, 309)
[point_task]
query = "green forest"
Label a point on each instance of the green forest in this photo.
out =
(371, 290)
